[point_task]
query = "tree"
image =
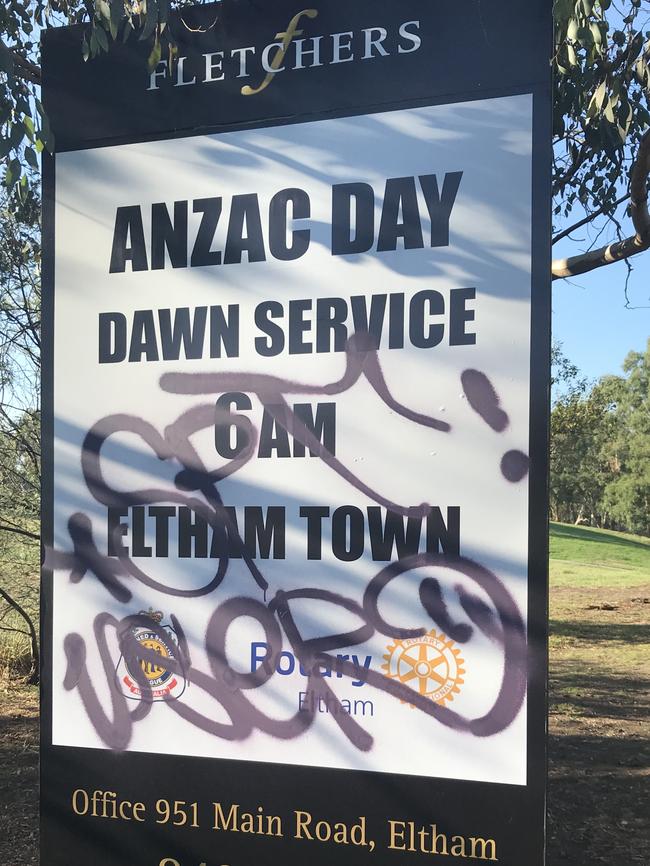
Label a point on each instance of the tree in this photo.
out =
(600, 446)
(566, 379)
(581, 466)
(20, 344)
(627, 497)
(579, 434)
(19, 418)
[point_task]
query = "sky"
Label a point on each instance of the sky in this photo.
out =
(590, 317)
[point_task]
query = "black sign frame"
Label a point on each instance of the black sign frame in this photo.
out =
(512, 814)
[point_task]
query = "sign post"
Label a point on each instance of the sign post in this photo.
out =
(296, 340)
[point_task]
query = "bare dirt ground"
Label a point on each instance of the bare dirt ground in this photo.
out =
(599, 725)
(599, 736)
(18, 775)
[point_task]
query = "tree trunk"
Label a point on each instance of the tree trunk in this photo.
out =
(35, 670)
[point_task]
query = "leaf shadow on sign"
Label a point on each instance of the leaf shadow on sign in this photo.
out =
(490, 223)
(499, 185)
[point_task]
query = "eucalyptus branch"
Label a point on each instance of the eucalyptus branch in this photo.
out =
(18, 531)
(631, 246)
(589, 218)
(34, 673)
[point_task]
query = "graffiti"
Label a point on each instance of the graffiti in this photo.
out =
(484, 400)
(197, 487)
(229, 688)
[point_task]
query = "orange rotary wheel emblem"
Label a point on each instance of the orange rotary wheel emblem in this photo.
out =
(430, 663)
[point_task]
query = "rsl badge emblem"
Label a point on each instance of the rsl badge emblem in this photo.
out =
(142, 677)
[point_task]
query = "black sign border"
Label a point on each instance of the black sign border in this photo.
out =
(56, 760)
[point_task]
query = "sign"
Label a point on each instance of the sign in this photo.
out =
(296, 344)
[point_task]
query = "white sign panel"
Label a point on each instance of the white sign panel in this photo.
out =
(295, 360)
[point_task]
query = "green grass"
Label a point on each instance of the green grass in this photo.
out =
(599, 619)
(584, 557)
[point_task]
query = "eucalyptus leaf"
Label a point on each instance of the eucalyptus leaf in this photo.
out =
(635, 48)
(16, 134)
(154, 57)
(28, 123)
(101, 37)
(600, 95)
(596, 34)
(31, 157)
(46, 135)
(6, 60)
(151, 21)
(12, 174)
(22, 105)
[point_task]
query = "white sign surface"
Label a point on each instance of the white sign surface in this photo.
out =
(437, 416)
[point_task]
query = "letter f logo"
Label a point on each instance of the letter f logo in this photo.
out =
(287, 38)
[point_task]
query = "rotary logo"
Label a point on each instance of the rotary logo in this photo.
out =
(162, 682)
(430, 663)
